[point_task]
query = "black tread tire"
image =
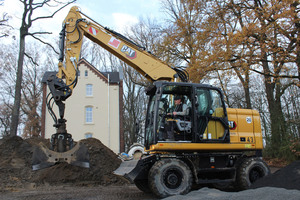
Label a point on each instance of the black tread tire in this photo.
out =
(167, 170)
(142, 185)
(249, 171)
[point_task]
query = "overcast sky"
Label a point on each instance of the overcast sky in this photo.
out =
(115, 14)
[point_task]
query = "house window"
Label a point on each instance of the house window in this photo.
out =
(86, 73)
(89, 90)
(88, 135)
(89, 114)
(78, 72)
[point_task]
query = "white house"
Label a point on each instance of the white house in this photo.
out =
(93, 110)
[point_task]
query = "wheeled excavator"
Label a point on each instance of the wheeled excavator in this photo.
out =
(210, 144)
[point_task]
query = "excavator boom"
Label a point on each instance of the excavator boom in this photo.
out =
(136, 56)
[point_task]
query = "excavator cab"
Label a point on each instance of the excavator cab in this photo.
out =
(204, 121)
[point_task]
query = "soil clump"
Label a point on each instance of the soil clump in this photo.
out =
(16, 170)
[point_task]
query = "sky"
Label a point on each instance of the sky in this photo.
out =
(115, 14)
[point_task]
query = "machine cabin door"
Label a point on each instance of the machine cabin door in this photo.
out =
(210, 116)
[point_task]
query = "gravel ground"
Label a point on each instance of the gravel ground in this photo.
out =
(130, 192)
(265, 193)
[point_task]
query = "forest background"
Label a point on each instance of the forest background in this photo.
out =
(248, 48)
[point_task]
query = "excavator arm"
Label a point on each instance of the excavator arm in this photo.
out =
(75, 27)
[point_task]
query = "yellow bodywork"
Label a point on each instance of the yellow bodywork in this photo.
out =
(245, 136)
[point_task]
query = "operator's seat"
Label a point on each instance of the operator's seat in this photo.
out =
(184, 126)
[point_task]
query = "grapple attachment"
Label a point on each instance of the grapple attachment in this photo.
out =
(43, 157)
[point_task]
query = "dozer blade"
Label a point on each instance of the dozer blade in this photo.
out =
(135, 169)
(43, 157)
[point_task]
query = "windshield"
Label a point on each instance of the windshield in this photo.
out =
(168, 115)
(173, 113)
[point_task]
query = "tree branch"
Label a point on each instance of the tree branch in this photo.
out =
(254, 70)
(50, 16)
(4, 35)
(32, 35)
(31, 59)
(35, 33)
(274, 75)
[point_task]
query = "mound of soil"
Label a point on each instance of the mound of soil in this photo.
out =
(287, 177)
(16, 171)
(15, 162)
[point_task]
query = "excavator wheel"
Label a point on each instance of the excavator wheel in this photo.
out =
(170, 177)
(249, 171)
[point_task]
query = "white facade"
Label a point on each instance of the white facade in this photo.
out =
(93, 110)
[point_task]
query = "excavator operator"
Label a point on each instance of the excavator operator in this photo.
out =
(180, 110)
(180, 106)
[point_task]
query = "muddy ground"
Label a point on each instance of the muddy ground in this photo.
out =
(69, 192)
(63, 181)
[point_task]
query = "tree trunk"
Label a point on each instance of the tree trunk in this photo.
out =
(17, 100)
(278, 128)
(245, 82)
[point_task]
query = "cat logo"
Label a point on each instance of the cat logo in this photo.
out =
(130, 53)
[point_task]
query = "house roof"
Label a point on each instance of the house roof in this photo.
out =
(114, 77)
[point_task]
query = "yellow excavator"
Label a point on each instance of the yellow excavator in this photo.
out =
(207, 144)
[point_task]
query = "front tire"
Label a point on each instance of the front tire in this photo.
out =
(170, 177)
(249, 171)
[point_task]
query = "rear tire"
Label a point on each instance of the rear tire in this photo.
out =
(249, 171)
(170, 177)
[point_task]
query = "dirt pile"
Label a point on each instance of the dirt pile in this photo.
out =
(15, 166)
(15, 162)
(287, 177)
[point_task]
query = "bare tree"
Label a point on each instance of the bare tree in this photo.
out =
(30, 6)
(4, 23)
(134, 108)
(30, 107)
(8, 62)
(32, 90)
